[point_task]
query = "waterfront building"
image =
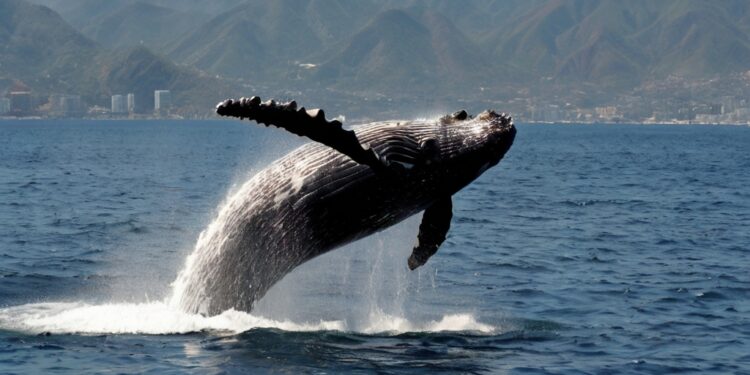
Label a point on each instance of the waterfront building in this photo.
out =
(162, 101)
(131, 103)
(606, 113)
(118, 104)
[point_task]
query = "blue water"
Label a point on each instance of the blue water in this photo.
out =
(589, 249)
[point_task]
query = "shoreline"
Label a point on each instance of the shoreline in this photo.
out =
(176, 119)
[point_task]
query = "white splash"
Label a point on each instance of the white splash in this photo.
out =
(154, 318)
(159, 318)
(286, 177)
(385, 323)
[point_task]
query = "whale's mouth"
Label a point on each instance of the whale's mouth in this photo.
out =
(503, 132)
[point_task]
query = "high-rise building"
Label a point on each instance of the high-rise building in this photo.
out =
(131, 103)
(118, 104)
(70, 105)
(4, 106)
(20, 103)
(162, 101)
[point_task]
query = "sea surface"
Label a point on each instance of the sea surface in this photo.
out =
(588, 249)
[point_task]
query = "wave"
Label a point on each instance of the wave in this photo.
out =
(159, 318)
(380, 323)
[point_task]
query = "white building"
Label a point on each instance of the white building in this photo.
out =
(162, 101)
(4, 106)
(118, 104)
(131, 103)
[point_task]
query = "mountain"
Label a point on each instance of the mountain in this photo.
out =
(475, 18)
(45, 52)
(81, 13)
(616, 42)
(268, 40)
(279, 42)
(698, 40)
(141, 23)
(128, 23)
(40, 50)
(581, 52)
(397, 51)
(348, 45)
(210, 8)
(233, 48)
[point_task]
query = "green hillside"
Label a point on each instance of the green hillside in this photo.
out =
(40, 48)
(44, 53)
(82, 13)
(616, 42)
(140, 23)
(401, 52)
(267, 41)
(587, 51)
(417, 43)
(230, 48)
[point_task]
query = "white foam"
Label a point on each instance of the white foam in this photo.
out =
(157, 318)
(385, 323)
(141, 318)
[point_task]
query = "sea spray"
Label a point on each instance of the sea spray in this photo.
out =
(207, 249)
(373, 294)
(158, 318)
(366, 284)
(348, 283)
(140, 318)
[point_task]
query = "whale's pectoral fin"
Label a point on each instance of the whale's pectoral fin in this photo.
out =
(432, 231)
(306, 123)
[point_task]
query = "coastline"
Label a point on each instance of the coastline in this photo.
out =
(210, 118)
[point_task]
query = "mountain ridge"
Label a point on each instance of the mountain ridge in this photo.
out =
(503, 49)
(50, 56)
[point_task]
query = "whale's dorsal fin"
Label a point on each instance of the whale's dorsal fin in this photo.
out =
(306, 123)
(436, 221)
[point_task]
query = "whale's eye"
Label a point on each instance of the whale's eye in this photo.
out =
(429, 149)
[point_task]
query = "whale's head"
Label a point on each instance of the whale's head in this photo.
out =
(452, 151)
(471, 145)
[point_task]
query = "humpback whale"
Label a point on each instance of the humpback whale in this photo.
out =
(345, 185)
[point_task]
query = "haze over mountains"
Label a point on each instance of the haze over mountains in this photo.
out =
(413, 48)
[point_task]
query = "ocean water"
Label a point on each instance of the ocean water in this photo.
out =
(589, 249)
